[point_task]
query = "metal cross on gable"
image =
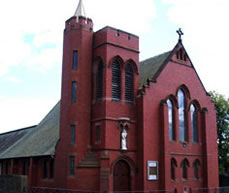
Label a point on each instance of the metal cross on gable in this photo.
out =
(180, 33)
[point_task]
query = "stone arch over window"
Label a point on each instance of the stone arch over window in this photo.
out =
(185, 165)
(133, 65)
(173, 168)
(173, 99)
(196, 103)
(116, 67)
(185, 90)
(196, 167)
(117, 59)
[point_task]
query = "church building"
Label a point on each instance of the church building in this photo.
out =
(121, 124)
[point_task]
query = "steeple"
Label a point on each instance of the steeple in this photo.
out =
(80, 11)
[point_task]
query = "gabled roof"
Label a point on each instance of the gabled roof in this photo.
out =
(150, 67)
(37, 141)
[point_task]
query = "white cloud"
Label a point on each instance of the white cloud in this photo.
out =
(133, 16)
(22, 112)
(13, 80)
(44, 20)
(206, 36)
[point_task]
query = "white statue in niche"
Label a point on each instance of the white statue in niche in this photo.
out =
(123, 141)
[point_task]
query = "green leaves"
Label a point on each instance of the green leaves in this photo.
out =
(222, 113)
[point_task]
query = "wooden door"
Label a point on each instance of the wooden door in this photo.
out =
(121, 176)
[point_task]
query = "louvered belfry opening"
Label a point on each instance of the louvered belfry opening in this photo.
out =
(100, 81)
(129, 83)
(116, 81)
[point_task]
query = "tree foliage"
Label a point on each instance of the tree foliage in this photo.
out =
(222, 113)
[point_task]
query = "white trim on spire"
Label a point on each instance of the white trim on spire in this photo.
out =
(80, 11)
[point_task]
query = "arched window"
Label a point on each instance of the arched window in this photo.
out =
(194, 124)
(171, 120)
(129, 83)
(100, 81)
(116, 81)
(173, 168)
(181, 112)
(196, 166)
(185, 165)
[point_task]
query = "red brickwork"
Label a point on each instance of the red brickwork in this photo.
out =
(145, 119)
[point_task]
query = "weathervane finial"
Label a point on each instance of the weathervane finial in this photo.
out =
(180, 33)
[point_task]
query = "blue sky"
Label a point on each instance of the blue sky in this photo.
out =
(31, 45)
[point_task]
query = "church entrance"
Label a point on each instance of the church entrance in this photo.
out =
(121, 176)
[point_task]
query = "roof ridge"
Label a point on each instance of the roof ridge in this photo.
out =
(157, 55)
(30, 127)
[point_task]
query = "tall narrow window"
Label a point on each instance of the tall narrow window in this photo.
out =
(51, 168)
(73, 134)
(72, 165)
(74, 91)
(75, 60)
(116, 81)
(45, 168)
(185, 165)
(100, 81)
(129, 83)
(7, 167)
(173, 168)
(98, 134)
(181, 54)
(171, 120)
(182, 125)
(24, 168)
(194, 124)
(177, 54)
(196, 166)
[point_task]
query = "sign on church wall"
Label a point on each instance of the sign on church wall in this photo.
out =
(152, 170)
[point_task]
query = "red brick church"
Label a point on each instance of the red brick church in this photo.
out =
(121, 124)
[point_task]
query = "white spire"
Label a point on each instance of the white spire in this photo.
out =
(80, 10)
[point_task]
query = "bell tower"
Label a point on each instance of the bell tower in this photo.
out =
(75, 110)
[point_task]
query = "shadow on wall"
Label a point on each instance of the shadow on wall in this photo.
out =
(13, 184)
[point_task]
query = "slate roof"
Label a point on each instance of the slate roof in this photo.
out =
(10, 138)
(36, 141)
(150, 68)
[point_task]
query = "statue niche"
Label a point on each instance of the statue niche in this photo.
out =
(123, 135)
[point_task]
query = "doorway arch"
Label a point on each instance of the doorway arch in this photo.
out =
(121, 176)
